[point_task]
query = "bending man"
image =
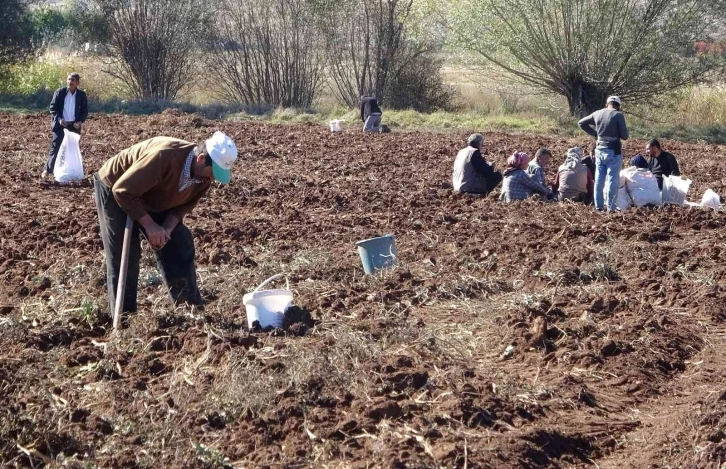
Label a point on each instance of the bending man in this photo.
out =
(157, 182)
(370, 113)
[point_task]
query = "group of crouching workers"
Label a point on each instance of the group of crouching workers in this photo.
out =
(580, 178)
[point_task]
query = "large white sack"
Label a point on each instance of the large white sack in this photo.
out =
(642, 186)
(711, 200)
(69, 162)
(675, 190)
(623, 200)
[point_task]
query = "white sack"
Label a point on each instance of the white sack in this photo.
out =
(642, 186)
(69, 163)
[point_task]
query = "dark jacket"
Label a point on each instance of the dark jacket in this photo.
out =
(56, 106)
(471, 172)
(665, 165)
(368, 105)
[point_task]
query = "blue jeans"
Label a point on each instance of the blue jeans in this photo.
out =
(607, 163)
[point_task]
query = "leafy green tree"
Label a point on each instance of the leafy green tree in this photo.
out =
(86, 22)
(16, 34)
(48, 24)
(588, 49)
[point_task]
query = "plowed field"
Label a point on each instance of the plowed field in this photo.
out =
(521, 335)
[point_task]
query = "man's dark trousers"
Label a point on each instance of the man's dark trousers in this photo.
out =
(55, 144)
(175, 260)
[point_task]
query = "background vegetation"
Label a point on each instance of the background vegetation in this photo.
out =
(470, 64)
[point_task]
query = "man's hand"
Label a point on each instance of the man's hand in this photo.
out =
(77, 125)
(155, 234)
(170, 223)
(62, 122)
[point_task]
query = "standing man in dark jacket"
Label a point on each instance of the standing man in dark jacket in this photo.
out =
(608, 125)
(661, 163)
(471, 173)
(370, 114)
(68, 110)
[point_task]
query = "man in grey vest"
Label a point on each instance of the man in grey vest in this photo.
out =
(471, 173)
(608, 125)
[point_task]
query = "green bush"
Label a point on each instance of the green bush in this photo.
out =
(31, 78)
(48, 24)
(76, 23)
(16, 34)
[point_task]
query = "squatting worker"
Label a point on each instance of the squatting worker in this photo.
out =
(370, 113)
(661, 163)
(574, 181)
(608, 125)
(517, 184)
(68, 110)
(537, 167)
(157, 182)
(471, 173)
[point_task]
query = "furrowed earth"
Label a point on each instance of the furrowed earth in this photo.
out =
(521, 335)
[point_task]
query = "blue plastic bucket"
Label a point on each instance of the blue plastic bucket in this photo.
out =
(378, 253)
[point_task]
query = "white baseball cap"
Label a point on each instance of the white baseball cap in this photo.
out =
(614, 99)
(223, 152)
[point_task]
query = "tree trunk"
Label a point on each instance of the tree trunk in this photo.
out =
(585, 98)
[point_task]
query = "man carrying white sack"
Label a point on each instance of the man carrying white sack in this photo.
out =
(157, 182)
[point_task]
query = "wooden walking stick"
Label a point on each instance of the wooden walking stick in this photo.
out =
(123, 270)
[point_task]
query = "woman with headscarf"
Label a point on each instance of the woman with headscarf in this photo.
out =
(574, 180)
(517, 184)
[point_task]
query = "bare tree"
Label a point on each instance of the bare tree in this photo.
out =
(152, 43)
(587, 49)
(267, 51)
(366, 44)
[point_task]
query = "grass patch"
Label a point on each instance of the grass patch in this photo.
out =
(696, 114)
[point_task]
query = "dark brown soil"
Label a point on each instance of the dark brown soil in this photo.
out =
(522, 335)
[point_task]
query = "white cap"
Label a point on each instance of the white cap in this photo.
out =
(223, 152)
(614, 99)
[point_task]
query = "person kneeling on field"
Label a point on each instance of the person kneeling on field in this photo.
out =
(156, 183)
(661, 163)
(574, 180)
(517, 184)
(537, 167)
(471, 173)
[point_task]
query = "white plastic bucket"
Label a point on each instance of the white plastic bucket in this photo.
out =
(337, 125)
(267, 306)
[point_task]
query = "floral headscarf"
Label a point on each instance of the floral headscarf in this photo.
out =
(517, 159)
(573, 158)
